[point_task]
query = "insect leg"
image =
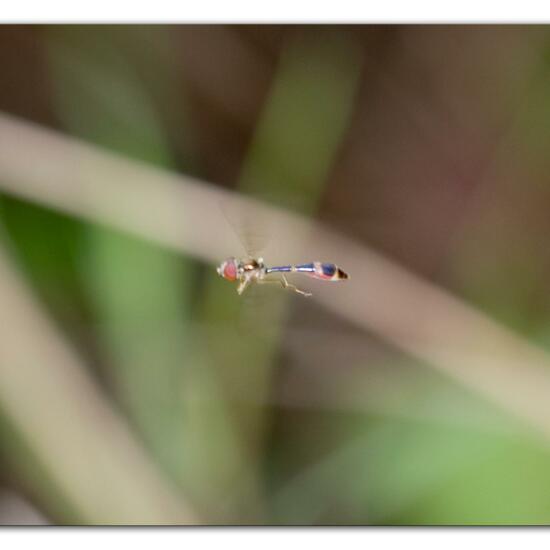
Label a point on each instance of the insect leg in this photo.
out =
(285, 284)
(245, 281)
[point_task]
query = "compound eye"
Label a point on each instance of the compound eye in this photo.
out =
(230, 271)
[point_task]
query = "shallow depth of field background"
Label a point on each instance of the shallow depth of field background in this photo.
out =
(426, 144)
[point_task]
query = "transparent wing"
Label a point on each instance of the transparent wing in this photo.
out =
(249, 223)
(260, 314)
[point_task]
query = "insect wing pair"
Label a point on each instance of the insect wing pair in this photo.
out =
(254, 270)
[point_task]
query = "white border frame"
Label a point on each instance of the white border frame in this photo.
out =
(280, 11)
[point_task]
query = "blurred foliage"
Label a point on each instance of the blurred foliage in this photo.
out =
(202, 375)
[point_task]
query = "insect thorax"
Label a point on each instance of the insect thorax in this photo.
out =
(252, 264)
(252, 267)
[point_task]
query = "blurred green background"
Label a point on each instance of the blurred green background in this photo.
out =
(427, 143)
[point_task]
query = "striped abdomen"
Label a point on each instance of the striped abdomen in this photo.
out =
(317, 270)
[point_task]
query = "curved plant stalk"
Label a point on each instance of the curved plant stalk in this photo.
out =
(382, 297)
(65, 422)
